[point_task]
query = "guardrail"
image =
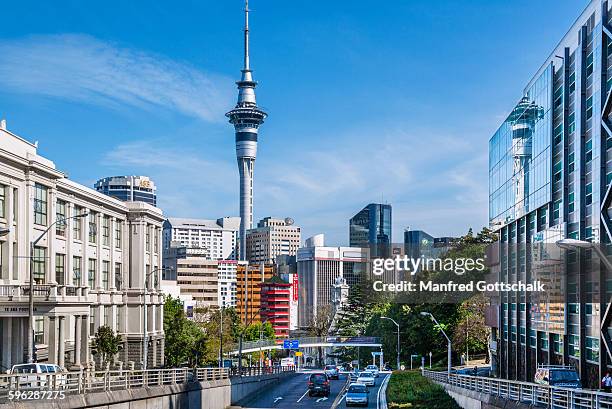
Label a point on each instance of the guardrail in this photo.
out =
(101, 381)
(526, 392)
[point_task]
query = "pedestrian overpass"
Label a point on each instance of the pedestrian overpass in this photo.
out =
(307, 342)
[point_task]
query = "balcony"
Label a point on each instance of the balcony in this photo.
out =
(41, 292)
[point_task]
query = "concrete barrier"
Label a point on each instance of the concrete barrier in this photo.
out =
(219, 394)
(468, 399)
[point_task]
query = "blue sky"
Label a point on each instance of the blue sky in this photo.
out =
(368, 101)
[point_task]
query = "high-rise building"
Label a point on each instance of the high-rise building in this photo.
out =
(418, 243)
(88, 272)
(217, 239)
(195, 274)
(248, 290)
(246, 117)
(319, 267)
(275, 308)
(227, 282)
(371, 227)
(272, 238)
(550, 177)
(129, 188)
(286, 268)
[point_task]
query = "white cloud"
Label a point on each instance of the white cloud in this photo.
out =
(82, 68)
(433, 186)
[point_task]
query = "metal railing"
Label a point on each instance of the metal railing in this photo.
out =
(100, 381)
(526, 392)
(247, 345)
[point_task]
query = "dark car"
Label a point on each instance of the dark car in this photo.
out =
(318, 384)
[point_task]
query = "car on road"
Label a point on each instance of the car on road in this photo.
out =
(331, 371)
(37, 375)
(353, 375)
(357, 394)
(318, 384)
(373, 369)
(366, 378)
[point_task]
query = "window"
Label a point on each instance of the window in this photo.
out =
(118, 233)
(39, 330)
(118, 277)
(148, 238)
(571, 123)
(105, 273)
(76, 270)
(40, 204)
(592, 349)
(532, 338)
(544, 340)
(106, 231)
(2, 201)
(570, 202)
(92, 320)
(589, 108)
(91, 273)
(155, 241)
(60, 268)
(589, 64)
(572, 82)
(588, 195)
(60, 217)
(39, 262)
(558, 133)
(573, 345)
(558, 344)
(556, 209)
(588, 151)
(93, 228)
(570, 162)
(77, 224)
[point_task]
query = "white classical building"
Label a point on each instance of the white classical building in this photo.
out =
(87, 272)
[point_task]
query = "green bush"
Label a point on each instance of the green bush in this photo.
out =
(410, 390)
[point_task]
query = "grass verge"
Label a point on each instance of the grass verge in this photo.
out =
(409, 389)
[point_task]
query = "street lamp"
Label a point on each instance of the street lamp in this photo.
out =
(61, 221)
(398, 339)
(573, 244)
(430, 315)
(145, 338)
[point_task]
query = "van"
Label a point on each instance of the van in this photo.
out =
(37, 375)
(560, 376)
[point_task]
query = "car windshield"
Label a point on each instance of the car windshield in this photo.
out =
(318, 377)
(563, 375)
(25, 369)
(328, 367)
(357, 389)
(365, 375)
(371, 367)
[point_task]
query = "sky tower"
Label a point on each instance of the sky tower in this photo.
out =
(246, 118)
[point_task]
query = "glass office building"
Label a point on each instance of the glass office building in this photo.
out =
(129, 188)
(371, 227)
(550, 174)
(418, 243)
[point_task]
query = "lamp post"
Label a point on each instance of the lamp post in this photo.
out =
(398, 339)
(30, 354)
(449, 352)
(145, 338)
(572, 244)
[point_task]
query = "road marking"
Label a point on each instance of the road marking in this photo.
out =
(379, 390)
(321, 399)
(300, 399)
(277, 399)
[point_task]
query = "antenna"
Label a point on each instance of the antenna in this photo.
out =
(246, 36)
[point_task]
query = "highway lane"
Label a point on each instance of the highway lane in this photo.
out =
(293, 393)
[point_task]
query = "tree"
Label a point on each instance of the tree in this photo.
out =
(470, 332)
(106, 344)
(319, 326)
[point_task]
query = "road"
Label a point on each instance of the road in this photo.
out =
(294, 394)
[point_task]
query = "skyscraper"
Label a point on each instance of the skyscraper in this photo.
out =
(272, 238)
(550, 178)
(372, 227)
(246, 118)
(129, 188)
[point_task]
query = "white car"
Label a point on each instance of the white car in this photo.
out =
(39, 375)
(366, 378)
(373, 369)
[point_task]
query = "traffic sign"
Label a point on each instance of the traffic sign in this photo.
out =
(291, 344)
(299, 353)
(377, 353)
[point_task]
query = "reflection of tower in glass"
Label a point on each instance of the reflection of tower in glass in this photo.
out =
(523, 119)
(246, 118)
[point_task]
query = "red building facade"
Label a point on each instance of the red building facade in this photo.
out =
(275, 308)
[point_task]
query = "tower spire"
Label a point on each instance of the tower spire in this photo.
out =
(246, 36)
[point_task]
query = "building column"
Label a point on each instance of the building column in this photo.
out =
(62, 341)
(85, 356)
(77, 341)
(52, 342)
(19, 341)
(7, 347)
(154, 358)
